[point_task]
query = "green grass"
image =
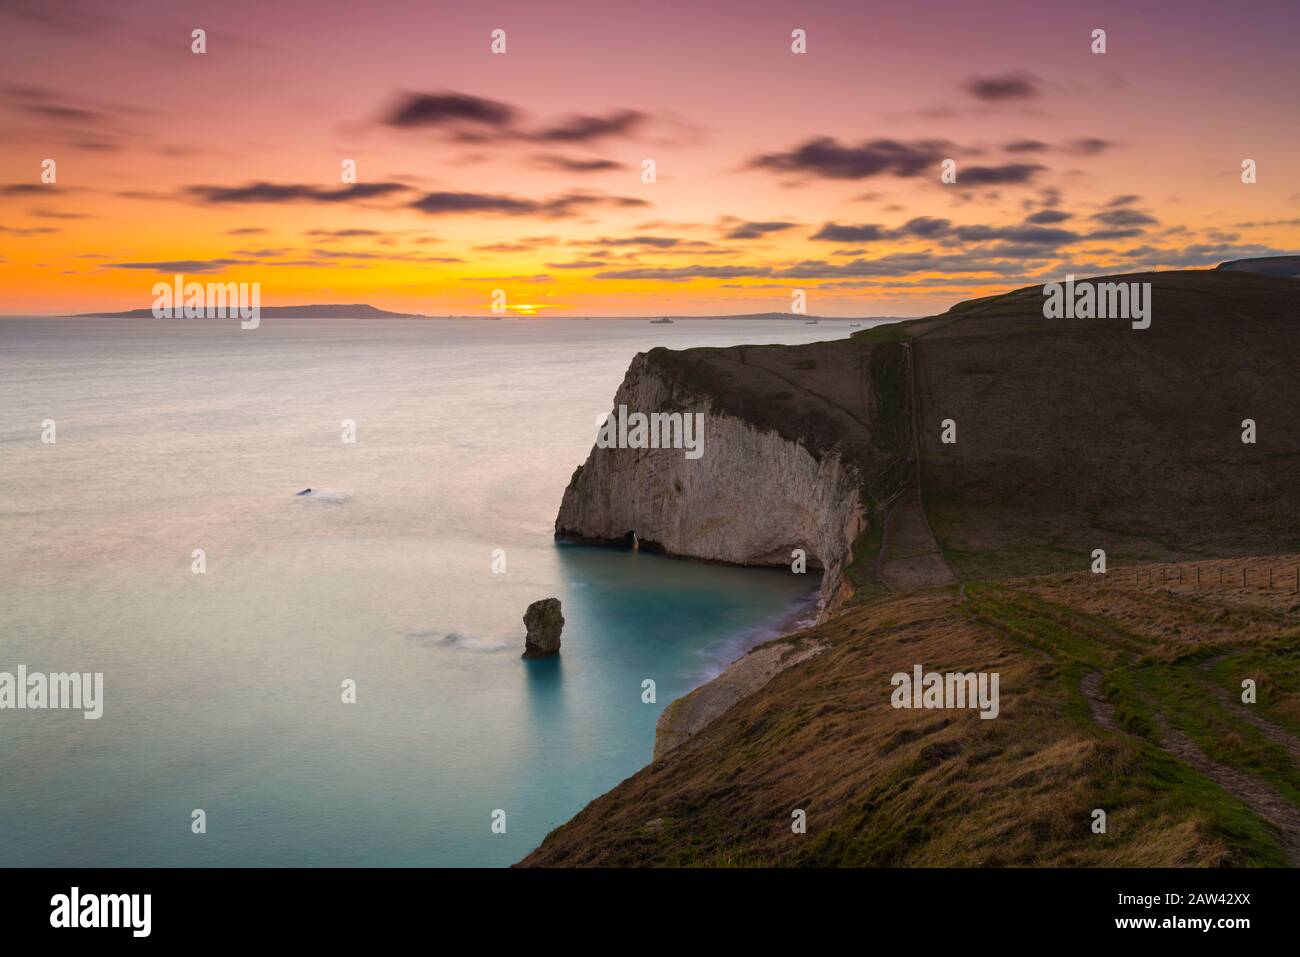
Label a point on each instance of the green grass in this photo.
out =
(1180, 692)
(1275, 666)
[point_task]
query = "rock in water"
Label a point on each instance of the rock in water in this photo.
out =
(544, 623)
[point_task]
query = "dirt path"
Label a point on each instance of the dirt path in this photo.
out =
(1103, 712)
(1273, 732)
(1252, 792)
(1257, 795)
(910, 556)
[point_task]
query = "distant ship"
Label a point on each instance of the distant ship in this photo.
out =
(664, 319)
(810, 322)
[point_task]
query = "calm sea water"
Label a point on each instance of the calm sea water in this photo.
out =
(222, 690)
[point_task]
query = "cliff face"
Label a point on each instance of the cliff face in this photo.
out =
(752, 497)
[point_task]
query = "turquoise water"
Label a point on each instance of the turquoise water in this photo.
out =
(222, 690)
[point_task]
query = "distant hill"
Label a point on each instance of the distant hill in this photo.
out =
(333, 311)
(1266, 265)
(787, 316)
(363, 311)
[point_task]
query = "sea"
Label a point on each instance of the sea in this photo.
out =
(333, 679)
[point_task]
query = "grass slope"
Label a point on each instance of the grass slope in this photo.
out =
(884, 786)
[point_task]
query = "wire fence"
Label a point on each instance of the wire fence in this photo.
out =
(1284, 577)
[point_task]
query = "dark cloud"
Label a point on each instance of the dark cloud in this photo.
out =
(342, 233)
(182, 265)
(1124, 216)
(584, 129)
(1048, 217)
(61, 112)
(571, 204)
(262, 192)
(920, 227)
(1032, 236)
(27, 230)
(381, 256)
(683, 273)
(866, 233)
(475, 119)
(70, 120)
(929, 227)
(1200, 254)
(569, 164)
(653, 242)
(557, 207)
(895, 264)
(1010, 173)
(246, 231)
(753, 230)
(426, 110)
(43, 213)
(1003, 88)
(1088, 146)
(1026, 146)
(444, 202)
(924, 227)
(826, 157)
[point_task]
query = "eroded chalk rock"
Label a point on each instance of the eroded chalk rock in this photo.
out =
(544, 623)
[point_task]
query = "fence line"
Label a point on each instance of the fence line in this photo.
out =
(1278, 577)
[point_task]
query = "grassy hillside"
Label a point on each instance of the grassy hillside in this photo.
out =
(1103, 691)
(1082, 434)
(1072, 435)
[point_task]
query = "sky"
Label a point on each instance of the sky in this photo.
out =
(525, 171)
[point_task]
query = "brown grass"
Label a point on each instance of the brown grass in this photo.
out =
(944, 788)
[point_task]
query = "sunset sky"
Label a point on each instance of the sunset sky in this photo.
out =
(522, 171)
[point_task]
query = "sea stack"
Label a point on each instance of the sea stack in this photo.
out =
(544, 623)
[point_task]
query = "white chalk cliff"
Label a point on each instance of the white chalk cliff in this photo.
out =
(751, 499)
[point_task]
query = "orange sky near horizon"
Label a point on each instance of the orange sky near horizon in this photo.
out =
(522, 171)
